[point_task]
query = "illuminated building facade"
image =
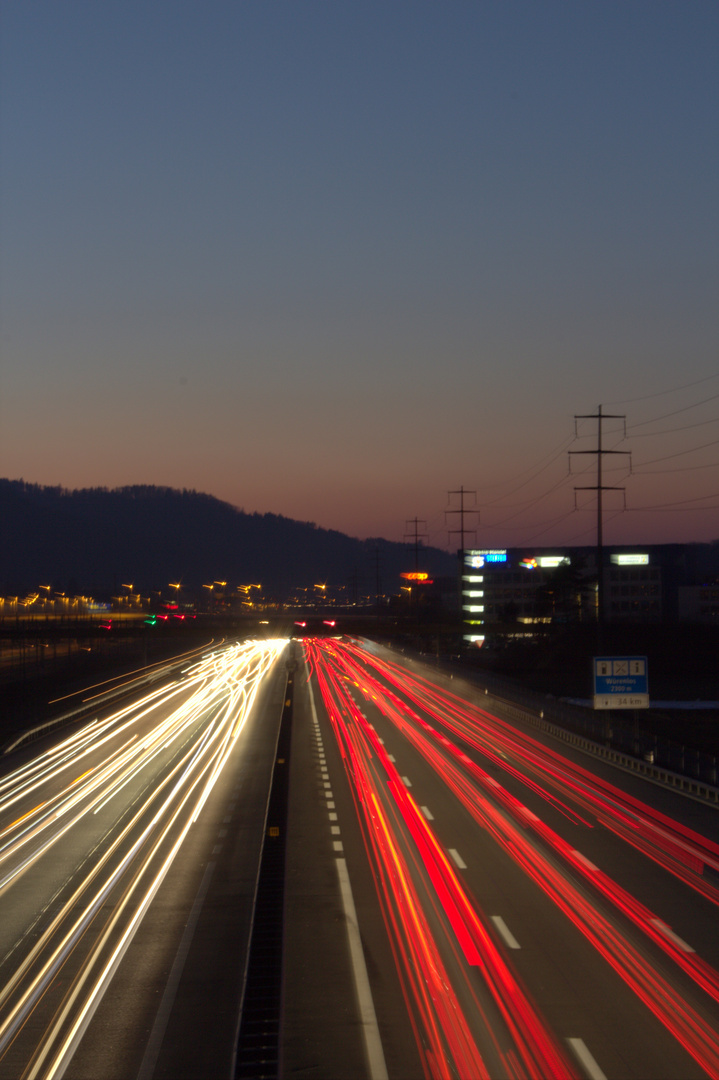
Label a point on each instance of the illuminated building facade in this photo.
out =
(652, 583)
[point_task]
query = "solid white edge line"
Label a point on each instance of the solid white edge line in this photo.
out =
(586, 1060)
(509, 938)
(368, 1017)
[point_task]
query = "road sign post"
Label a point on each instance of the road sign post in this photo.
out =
(621, 682)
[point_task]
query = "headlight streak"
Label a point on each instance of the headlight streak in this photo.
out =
(219, 707)
(445, 1039)
(161, 664)
(203, 699)
(108, 970)
(72, 757)
(684, 1023)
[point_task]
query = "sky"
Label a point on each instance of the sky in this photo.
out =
(335, 260)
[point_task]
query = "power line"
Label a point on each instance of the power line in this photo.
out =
(533, 476)
(671, 431)
(680, 453)
(663, 393)
(533, 502)
(683, 468)
(675, 412)
(682, 502)
(585, 532)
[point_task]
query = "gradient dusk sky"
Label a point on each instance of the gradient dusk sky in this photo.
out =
(335, 259)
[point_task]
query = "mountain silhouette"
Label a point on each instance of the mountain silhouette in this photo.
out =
(93, 539)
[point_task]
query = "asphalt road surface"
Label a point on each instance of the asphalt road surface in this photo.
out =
(464, 898)
(128, 865)
(523, 910)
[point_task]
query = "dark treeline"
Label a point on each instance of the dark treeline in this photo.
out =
(95, 538)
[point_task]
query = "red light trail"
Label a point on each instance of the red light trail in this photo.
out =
(403, 851)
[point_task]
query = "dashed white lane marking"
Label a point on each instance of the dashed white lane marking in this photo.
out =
(368, 1018)
(335, 830)
(217, 849)
(226, 819)
(222, 832)
(586, 1060)
(584, 860)
(406, 781)
(381, 740)
(427, 813)
(667, 930)
(528, 813)
(457, 858)
(506, 933)
(326, 783)
(391, 757)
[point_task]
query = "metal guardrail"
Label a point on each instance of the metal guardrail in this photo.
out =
(691, 771)
(32, 734)
(698, 789)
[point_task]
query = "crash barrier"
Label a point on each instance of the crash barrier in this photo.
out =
(645, 767)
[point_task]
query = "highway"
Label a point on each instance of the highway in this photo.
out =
(524, 910)
(94, 827)
(464, 898)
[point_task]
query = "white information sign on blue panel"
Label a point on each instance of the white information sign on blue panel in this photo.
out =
(621, 682)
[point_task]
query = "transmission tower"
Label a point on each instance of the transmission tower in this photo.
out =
(416, 536)
(376, 556)
(463, 511)
(599, 487)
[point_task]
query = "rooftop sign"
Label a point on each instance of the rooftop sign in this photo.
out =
(478, 558)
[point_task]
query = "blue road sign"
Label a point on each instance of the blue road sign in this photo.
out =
(621, 682)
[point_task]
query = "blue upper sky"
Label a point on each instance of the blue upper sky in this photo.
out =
(336, 259)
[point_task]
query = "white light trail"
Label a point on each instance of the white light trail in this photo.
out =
(174, 743)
